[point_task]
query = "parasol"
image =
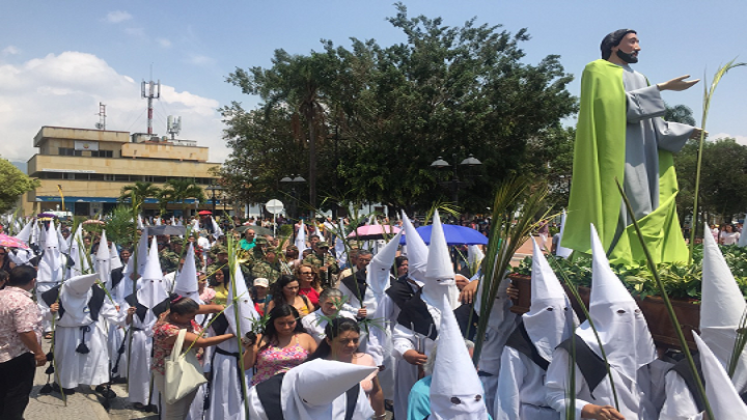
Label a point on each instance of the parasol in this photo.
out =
(11, 242)
(371, 232)
(455, 235)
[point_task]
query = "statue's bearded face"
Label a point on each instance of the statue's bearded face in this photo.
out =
(628, 48)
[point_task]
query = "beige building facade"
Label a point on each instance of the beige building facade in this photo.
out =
(84, 170)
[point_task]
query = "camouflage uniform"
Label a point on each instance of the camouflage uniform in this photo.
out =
(169, 260)
(329, 260)
(265, 269)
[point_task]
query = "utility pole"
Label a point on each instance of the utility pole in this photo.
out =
(150, 90)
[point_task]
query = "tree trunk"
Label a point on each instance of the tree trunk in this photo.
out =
(312, 164)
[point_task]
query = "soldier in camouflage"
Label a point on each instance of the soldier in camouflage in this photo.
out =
(325, 262)
(169, 259)
(268, 267)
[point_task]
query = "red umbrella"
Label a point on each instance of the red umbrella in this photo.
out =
(369, 232)
(11, 242)
(205, 213)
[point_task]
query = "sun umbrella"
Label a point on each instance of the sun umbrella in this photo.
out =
(455, 235)
(11, 242)
(370, 232)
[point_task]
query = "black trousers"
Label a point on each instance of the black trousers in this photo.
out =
(16, 382)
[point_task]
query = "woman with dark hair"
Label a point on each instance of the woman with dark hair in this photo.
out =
(179, 316)
(341, 344)
(5, 260)
(309, 281)
(402, 265)
(219, 282)
(283, 345)
(729, 236)
(285, 292)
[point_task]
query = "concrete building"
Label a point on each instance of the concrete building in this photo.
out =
(90, 167)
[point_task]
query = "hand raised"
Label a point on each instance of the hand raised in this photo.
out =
(678, 83)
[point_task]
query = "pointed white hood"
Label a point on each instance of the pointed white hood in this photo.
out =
(78, 253)
(377, 273)
(562, 251)
(622, 328)
(153, 288)
(417, 251)
(439, 273)
(63, 245)
(25, 233)
(115, 261)
(245, 305)
(104, 260)
(550, 319)
(721, 308)
(80, 285)
(722, 395)
(50, 266)
(186, 279)
(456, 391)
(302, 397)
(140, 224)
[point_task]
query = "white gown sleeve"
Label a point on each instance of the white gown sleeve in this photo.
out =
(557, 380)
(402, 340)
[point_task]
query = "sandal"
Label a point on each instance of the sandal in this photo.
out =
(48, 336)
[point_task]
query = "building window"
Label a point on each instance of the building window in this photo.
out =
(67, 151)
(102, 153)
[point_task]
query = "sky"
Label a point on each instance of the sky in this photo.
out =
(59, 60)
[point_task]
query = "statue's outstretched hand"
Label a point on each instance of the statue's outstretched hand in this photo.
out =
(678, 83)
(696, 133)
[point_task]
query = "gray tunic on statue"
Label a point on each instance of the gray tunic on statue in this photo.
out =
(645, 134)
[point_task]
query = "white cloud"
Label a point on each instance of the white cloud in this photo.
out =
(740, 139)
(165, 43)
(10, 50)
(117, 16)
(65, 90)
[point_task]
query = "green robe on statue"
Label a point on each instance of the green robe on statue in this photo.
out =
(620, 135)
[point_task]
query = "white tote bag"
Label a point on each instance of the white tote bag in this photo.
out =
(183, 372)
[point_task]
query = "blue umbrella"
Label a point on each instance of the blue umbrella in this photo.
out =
(455, 235)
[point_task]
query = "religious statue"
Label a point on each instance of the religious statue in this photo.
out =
(621, 134)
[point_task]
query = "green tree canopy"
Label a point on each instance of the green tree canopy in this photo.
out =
(13, 184)
(369, 120)
(137, 193)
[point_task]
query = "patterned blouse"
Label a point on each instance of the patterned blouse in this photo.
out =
(162, 350)
(272, 360)
(18, 314)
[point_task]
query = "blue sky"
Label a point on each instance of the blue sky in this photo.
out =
(58, 60)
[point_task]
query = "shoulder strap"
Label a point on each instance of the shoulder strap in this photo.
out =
(269, 395)
(592, 367)
(178, 344)
(520, 341)
(351, 401)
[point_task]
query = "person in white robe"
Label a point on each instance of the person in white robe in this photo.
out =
(226, 395)
(456, 391)
(723, 397)
(626, 340)
(50, 273)
(296, 395)
(80, 347)
(528, 351)
(150, 301)
(721, 310)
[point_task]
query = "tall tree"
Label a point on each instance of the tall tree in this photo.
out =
(13, 184)
(679, 113)
(178, 190)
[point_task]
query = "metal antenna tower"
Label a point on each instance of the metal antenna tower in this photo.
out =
(101, 125)
(150, 90)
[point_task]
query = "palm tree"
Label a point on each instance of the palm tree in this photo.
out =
(138, 192)
(179, 189)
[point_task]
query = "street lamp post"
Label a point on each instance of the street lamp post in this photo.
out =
(455, 183)
(293, 181)
(213, 188)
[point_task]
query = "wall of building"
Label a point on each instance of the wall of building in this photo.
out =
(164, 151)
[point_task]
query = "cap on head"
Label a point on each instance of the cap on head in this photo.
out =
(613, 39)
(261, 281)
(261, 241)
(322, 244)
